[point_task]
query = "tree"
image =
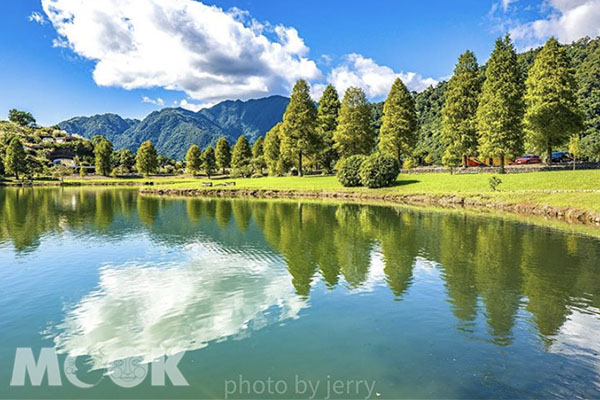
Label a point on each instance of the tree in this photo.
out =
(500, 109)
(103, 151)
(146, 159)
(552, 113)
(21, 118)
(327, 117)
(241, 156)
(193, 159)
(126, 159)
(398, 134)
(574, 149)
(354, 134)
(271, 149)
(223, 154)
(14, 159)
(459, 122)
(208, 161)
(298, 137)
(258, 155)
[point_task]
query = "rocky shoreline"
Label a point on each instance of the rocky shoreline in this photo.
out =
(457, 201)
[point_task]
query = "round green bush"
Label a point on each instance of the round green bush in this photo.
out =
(348, 170)
(379, 170)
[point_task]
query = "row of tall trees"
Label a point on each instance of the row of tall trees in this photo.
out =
(502, 115)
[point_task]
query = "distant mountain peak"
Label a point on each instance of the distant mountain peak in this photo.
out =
(174, 129)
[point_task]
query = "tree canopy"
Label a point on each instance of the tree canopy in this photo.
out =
(398, 134)
(223, 154)
(354, 133)
(327, 119)
(146, 159)
(22, 118)
(193, 159)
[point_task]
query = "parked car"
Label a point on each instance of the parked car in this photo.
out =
(473, 162)
(560, 156)
(528, 159)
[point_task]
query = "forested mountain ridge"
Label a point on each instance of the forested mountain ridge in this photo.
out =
(174, 130)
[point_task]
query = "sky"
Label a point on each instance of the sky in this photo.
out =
(65, 58)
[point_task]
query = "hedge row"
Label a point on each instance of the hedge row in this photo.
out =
(375, 171)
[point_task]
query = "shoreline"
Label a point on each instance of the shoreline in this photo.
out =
(447, 201)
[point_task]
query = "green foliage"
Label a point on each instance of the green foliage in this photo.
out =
(398, 134)
(21, 118)
(494, 182)
(500, 109)
(327, 116)
(60, 172)
(451, 158)
(348, 170)
(588, 77)
(103, 151)
(193, 159)
(209, 163)
(82, 172)
(241, 158)
(354, 134)
(14, 160)
(258, 155)
(379, 170)
(409, 163)
(298, 131)
(575, 148)
(146, 159)
(459, 123)
(591, 147)
(223, 154)
(553, 114)
(124, 159)
(271, 149)
(428, 104)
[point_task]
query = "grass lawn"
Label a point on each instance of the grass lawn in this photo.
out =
(527, 188)
(515, 188)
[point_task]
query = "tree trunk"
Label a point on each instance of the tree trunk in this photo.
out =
(549, 159)
(300, 164)
(574, 160)
(502, 170)
(465, 161)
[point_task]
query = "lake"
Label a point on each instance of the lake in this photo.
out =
(289, 299)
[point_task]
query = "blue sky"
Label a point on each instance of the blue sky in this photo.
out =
(61, 58)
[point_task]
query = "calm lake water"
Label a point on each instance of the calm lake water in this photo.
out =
(418, 304)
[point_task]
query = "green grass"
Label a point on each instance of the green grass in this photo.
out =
(526, 188)
(515, 188)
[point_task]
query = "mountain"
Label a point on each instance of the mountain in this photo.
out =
(174, 130)
(252, 118)
(109, 125)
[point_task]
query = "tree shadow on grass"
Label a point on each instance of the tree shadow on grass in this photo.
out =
(404, 182)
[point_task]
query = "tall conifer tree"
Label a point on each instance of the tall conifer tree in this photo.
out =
(552, 113)
(327, 119)
(272, 149)
(193, 159)
(354, 134)
(459, 113)
(298, 139)
(223, 154)
(398, 134)
(500, 109)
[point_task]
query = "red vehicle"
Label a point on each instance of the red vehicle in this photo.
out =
(473, 162)
(528, 159)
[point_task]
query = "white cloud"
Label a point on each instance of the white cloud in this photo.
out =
(151, 310)
(506, 4)
(376, 80)
(208, 53)
(37, 18)
(567, 20)
(157, 102)
(195, 107)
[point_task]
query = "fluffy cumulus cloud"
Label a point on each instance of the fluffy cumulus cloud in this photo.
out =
(567, 20)
(157, 102)
(375, 79)
(37, 18)
(208, 53)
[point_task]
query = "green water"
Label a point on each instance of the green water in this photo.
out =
(418, 304)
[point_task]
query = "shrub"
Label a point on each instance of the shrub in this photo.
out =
(409, 163)
(494, 182)
(348, 170)
(379, 170)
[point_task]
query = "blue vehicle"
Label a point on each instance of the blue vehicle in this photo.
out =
(560, 156)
